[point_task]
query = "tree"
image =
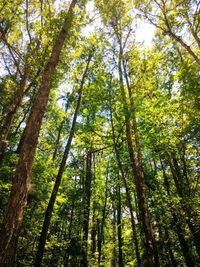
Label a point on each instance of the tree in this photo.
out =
(21, 183)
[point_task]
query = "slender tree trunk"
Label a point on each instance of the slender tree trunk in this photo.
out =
(128, 195)
(180, 233)
(59, 134)
(48, 213)
(190, 220)
(94, 221)
(170, 251)
(99, 240)
(170, 33)
(151, 249)
(114, 256)
(18, 197)
(93, 232)
(101, 230)
(58, 140)
(183, 44)
(66, 260)
(86, 212)
(16, 102)
(119, 228)
(184, 246)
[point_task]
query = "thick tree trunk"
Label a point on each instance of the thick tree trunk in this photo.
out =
(48, 213)
(18, 197)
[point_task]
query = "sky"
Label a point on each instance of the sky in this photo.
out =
(144, 32)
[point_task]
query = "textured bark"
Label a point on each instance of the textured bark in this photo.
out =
(48, 213)
(18, 197)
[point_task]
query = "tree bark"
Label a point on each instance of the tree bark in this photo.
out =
(17, 202)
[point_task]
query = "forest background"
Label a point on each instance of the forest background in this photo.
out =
(99, 133)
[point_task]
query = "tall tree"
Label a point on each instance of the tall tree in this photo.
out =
(18, 197)
(54, 193)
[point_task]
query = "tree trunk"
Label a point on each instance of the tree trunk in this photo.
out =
(179, 184)
(170, 251)
(180, 233)
(184, 246)
(151, 249)
(18, 197)
(66, 258)
(93, 233)
(119, 228)
(101, 229)
(48, 213)
(114, 256)
(128, 195)
(94, 220)
(183, 44)
(16, 102)
(58, 140)
(86, 211)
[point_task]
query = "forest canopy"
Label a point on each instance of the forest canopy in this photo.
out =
(99, 133)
